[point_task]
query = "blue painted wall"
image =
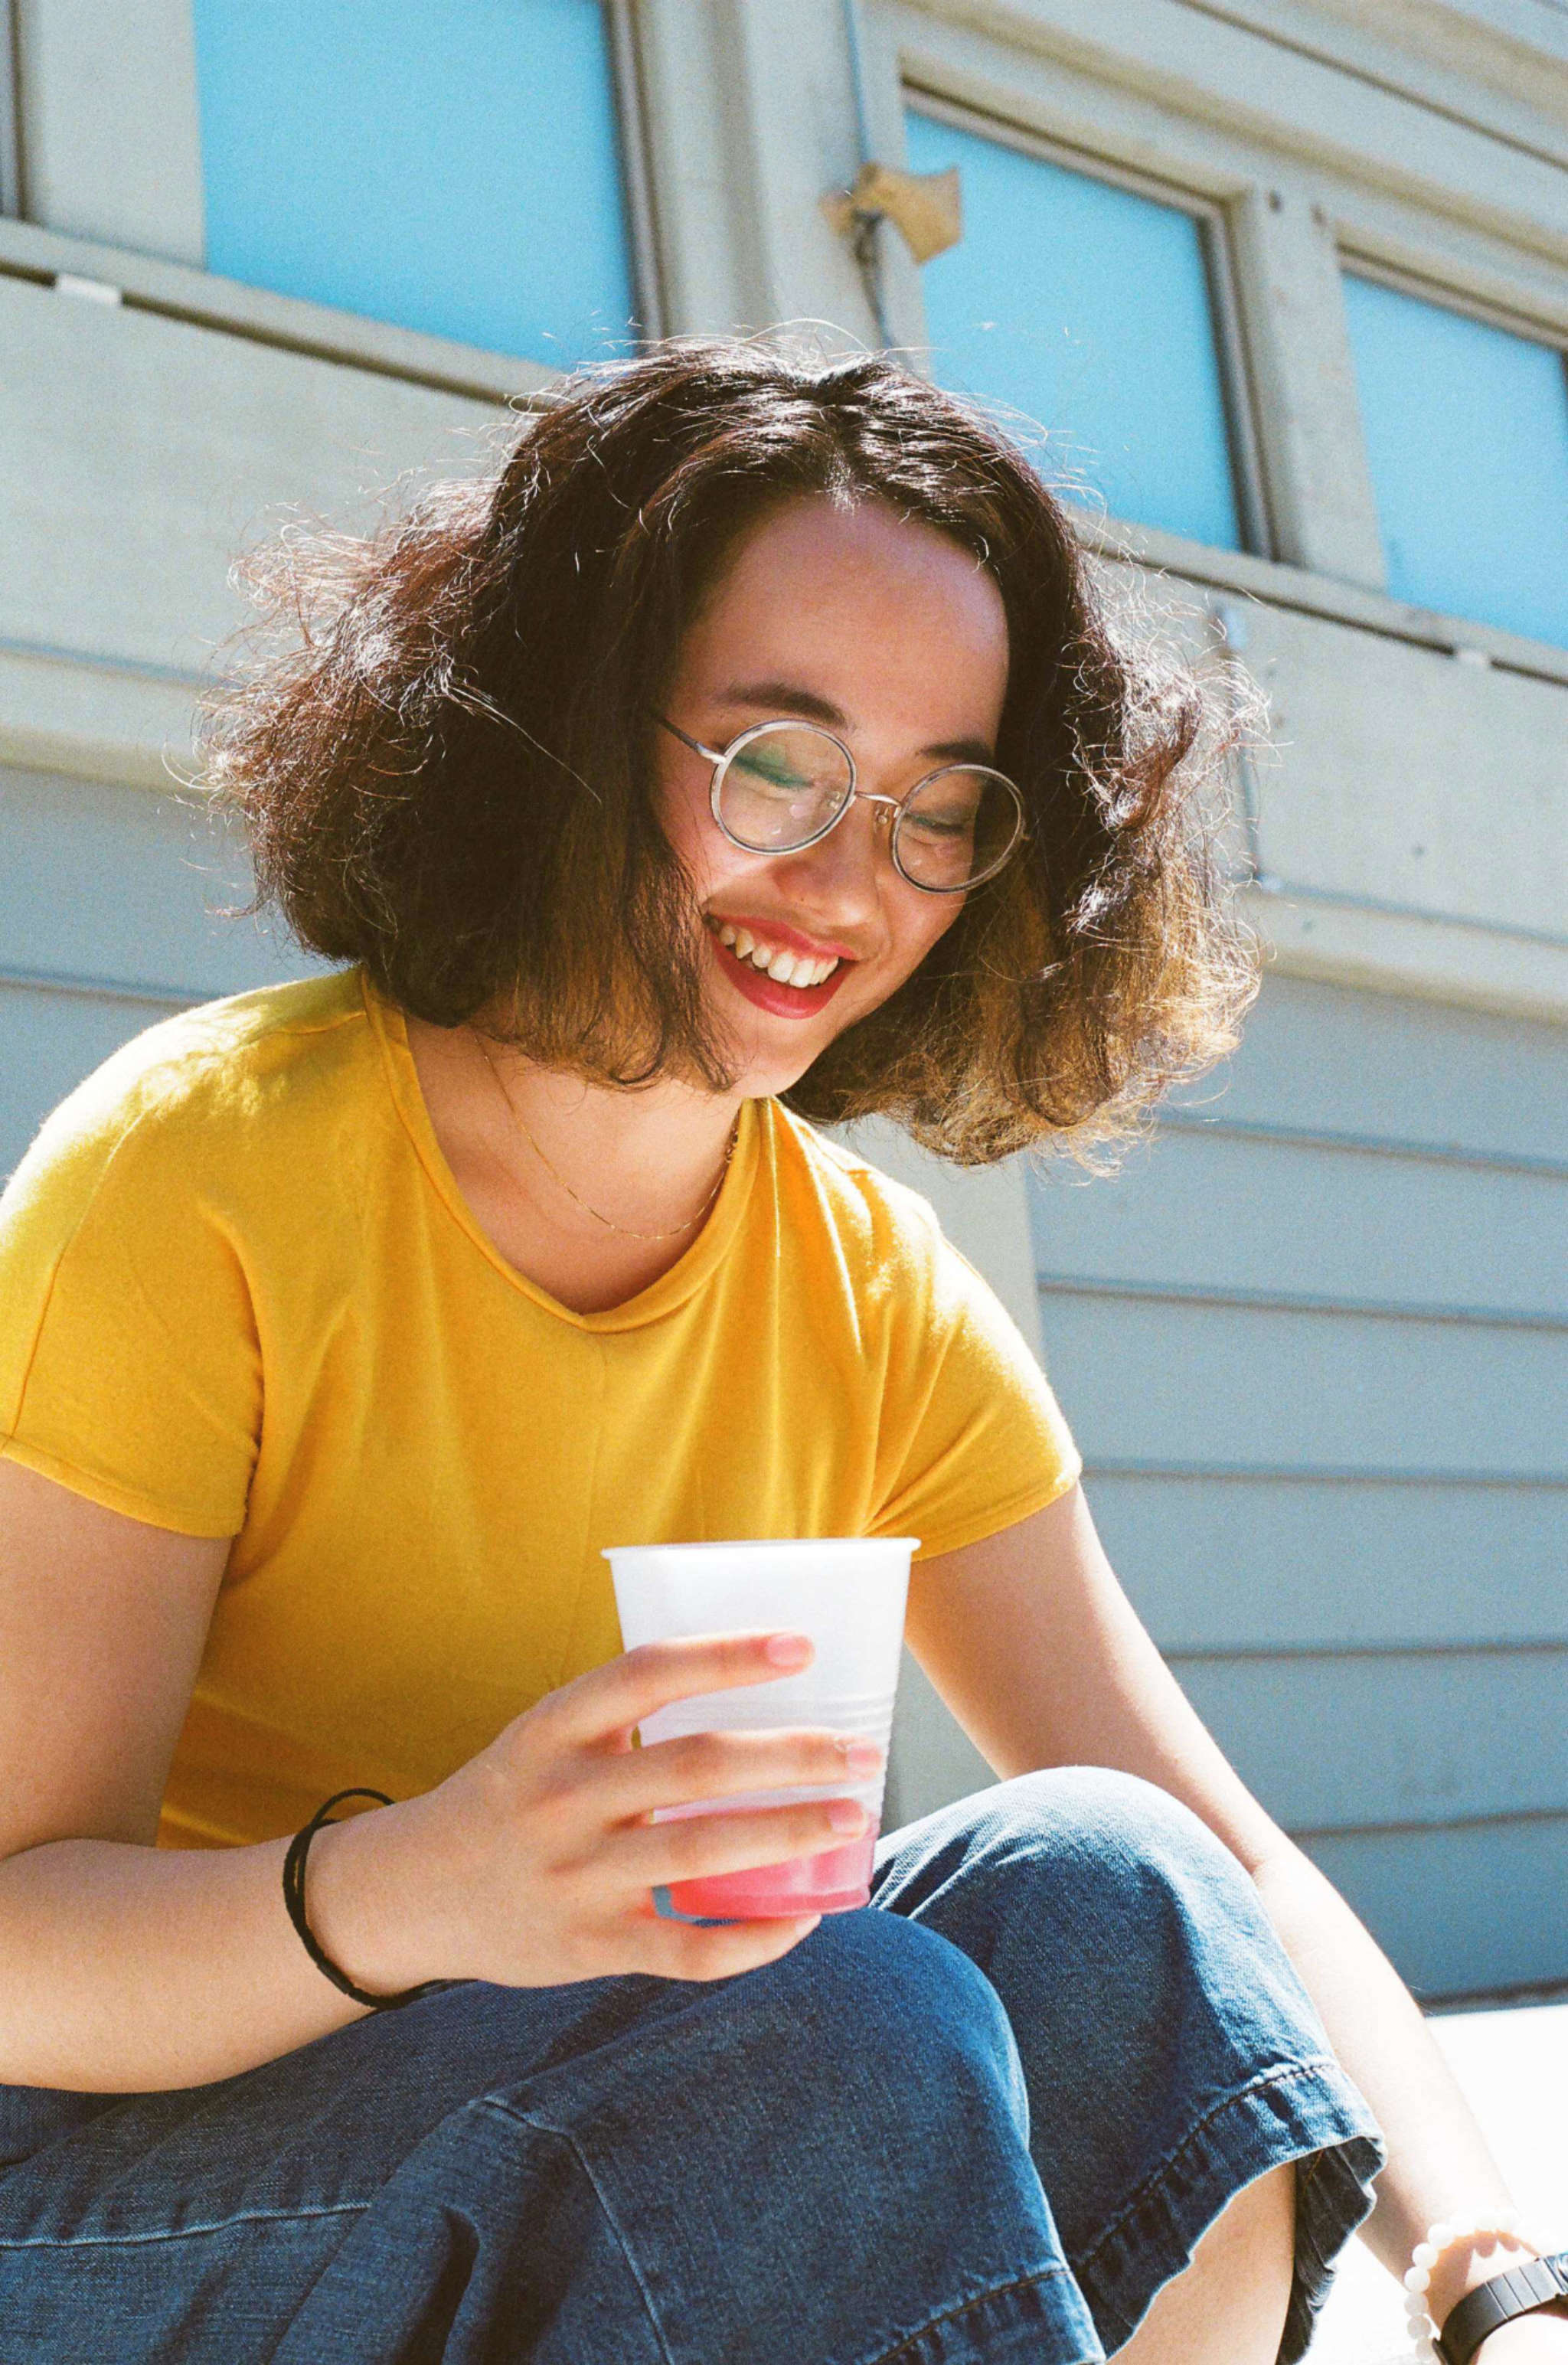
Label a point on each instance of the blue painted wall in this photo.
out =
(1314, 1341)
(449, 169)
(1086, 307)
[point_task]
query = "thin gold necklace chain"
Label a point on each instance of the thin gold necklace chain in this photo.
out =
(609, 1225)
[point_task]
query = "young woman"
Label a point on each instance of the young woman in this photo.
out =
(751, 750)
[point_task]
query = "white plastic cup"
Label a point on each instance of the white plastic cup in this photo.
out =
(848, 1594)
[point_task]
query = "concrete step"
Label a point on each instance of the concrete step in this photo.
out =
(1513, 2065)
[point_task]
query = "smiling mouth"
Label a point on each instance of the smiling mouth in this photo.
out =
(802, 970)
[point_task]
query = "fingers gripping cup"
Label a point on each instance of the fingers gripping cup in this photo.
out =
(848, 1595)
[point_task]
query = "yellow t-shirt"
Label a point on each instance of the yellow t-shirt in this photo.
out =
(240, 1294)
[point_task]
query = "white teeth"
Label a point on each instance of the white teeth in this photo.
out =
(785, 968)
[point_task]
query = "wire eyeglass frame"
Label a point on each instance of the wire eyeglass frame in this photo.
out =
(721, 758)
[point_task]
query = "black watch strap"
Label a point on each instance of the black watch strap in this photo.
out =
(1518, 2292)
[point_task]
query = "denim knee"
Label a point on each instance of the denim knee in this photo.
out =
(1142, 1880)
(1117, 1893)
(867, 1987)
(1170, 2052)
(1113, 1828)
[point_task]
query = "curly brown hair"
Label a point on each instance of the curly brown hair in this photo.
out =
(446, 772)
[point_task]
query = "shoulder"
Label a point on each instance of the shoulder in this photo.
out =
(849, 1184)
(889, 1236)
(899, 1265)
(192, 1097)
(970, 1436)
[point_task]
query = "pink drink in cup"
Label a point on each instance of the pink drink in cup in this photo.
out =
(848, 1595)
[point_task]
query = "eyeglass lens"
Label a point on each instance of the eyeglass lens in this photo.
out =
(790, 782)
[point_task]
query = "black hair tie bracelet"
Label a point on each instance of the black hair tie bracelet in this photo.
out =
(294, 1898)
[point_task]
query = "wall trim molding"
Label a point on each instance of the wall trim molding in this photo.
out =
(1285, 1300)
(1275, 583)
(100, 988)
(179, 291)
(94, 718)
(1436, 959)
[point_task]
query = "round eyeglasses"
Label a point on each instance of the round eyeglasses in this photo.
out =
(781, 786)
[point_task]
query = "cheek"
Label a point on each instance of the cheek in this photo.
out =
(919, 923)
(710, 863)
(686, 823)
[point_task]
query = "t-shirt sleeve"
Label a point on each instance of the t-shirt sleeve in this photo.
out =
(973, 1438)
(129, 1362)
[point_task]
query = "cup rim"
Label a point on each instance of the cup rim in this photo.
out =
(772, 1544)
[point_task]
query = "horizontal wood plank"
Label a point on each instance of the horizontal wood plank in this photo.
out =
(1297, 1563)
(1269, 1219)
(1462, 1911)
(1143, 1380)
(99, 882)
(1395, 1067)
(1335, 1742)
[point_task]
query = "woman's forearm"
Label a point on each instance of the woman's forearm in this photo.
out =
(1438, 2164)
(126, 1969)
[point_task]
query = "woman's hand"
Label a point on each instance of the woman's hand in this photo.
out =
(534, 1864)
(131, 1968)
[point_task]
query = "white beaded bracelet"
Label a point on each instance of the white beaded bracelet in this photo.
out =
(1445, 2236)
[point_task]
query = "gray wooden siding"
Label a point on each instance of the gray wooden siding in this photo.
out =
(1314, 1343)
(109, 903)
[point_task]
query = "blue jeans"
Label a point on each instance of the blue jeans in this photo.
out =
(987, 2118)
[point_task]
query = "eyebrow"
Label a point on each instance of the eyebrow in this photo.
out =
(789, 697)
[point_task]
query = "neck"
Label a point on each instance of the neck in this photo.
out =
(649, 1161)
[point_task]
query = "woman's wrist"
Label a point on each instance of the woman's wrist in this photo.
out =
(365, 1894)
(1461, 2256)
(1469, 2264)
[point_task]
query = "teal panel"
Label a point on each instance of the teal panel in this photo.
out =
(1271, 1218)
(1461, 1913)
(449, 169)
(1086, 307)
(1273, 1564)
(1142, 1381)
(1467, 438)
(1374, 1064)
(1332, 1742)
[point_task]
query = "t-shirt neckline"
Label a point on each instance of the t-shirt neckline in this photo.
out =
(662, 1296)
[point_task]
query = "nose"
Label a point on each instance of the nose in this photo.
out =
(839, 876)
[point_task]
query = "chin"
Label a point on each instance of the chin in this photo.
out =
(764, 1071)
(769, 1079)
(768, 1056)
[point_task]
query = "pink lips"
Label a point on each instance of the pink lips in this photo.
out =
(780, 933)
(783, 1000)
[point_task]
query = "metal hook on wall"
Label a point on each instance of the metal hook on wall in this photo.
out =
(925, 207)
